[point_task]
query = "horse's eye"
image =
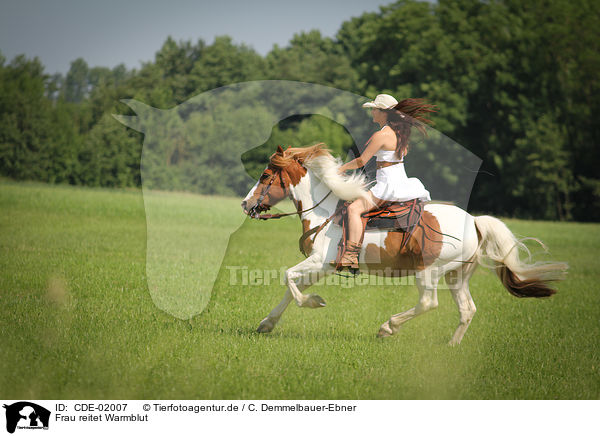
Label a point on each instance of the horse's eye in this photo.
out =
(264, 176)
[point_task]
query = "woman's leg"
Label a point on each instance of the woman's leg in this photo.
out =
(352, 247)
(356, 208)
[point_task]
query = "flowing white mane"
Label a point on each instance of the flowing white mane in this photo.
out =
(325, 167)
(318, 159)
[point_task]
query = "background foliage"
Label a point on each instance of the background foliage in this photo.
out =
(516, 84)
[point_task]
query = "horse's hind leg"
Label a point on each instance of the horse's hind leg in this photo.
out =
(458, 282)
(427, 284)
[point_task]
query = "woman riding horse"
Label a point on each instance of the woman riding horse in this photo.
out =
(389, 145)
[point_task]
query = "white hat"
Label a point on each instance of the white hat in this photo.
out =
(382, 101)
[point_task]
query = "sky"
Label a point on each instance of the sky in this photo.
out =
(109, 32)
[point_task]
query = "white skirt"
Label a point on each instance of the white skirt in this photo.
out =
(393, 185)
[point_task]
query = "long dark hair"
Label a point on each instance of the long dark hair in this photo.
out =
(406, 114)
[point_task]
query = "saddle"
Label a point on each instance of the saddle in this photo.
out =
(391, 215)
(399, 216)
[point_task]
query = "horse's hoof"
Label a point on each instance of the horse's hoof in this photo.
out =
(385, 331)
(265, 326)
(314, 301)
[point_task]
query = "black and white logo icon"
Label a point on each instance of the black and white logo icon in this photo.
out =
(26, 415)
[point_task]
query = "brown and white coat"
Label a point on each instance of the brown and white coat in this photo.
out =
(307, 175)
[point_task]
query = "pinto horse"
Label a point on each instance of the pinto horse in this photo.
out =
(459, 242)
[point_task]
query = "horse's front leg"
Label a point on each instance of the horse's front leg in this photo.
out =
(298, 278)
(268, 324)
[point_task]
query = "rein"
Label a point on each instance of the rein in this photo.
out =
(268, 216)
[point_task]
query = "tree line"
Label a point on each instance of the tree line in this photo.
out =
(516, 83)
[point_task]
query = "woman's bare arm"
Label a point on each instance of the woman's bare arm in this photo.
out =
(374, 144)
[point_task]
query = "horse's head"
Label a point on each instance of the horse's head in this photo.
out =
(282, 174)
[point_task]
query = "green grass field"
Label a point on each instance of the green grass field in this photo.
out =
(77, 319)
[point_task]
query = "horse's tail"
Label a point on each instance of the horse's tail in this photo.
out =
(522, 279)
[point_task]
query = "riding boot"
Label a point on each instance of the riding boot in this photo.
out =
(349, 257)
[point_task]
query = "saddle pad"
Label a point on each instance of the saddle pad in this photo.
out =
(401, 216)
(395, 216)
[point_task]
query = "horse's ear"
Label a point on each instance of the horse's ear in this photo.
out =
(279, 149)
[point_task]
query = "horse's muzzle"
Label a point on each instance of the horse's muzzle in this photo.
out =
(254, 211)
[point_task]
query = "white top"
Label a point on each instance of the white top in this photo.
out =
(387, 156)
(392, 182)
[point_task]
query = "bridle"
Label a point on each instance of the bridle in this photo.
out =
(255, 210)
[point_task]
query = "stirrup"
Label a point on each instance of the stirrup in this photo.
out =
(353, 272)
(340, 267)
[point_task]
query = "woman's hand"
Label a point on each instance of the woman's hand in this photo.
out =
(375, 143)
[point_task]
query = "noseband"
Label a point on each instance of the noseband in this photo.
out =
(266, 190)
(258, 207)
